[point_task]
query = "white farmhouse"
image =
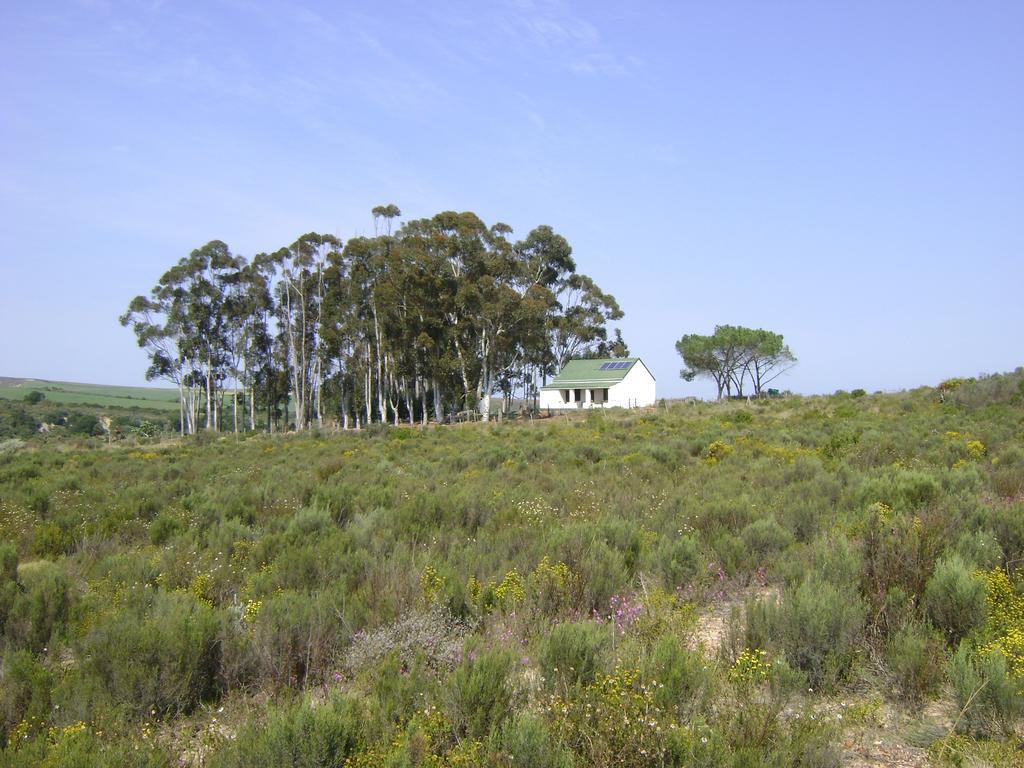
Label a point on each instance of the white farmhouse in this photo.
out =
(622, 383)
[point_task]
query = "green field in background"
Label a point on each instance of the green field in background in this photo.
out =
(92, 394)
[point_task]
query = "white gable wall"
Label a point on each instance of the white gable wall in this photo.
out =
(635, 390)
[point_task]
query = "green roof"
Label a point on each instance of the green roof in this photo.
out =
(581, 374)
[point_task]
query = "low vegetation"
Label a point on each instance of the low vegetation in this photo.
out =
(529, 594)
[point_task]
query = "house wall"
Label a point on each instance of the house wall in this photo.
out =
(636, 390)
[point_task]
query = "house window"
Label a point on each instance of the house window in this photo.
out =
(565, 395)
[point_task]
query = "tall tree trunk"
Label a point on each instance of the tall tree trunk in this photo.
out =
(423, 402)
(209, 397)
(369, 387)
(380, 362)
(438, 405)
(181, 408)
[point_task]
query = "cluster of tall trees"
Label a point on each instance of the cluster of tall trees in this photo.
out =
(416, 322)
(733, 356)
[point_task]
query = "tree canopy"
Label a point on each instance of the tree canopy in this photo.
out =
(436, 315)
(733, 356)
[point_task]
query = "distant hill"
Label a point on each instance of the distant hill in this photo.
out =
(102, 395)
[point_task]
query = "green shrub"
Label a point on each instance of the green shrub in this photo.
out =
(731, 553)
(955, 598)
(613, 721)
(912, 655)
(76, 745)
(1008, 481)
(818, 626)
(979, 547)
(296, 636)
(480, 694)
(308, 523)
(164, 662)
(41, 610)
(900, 550)
(766, 537)
(678, 560)
(296, 735)
(991, 699)
(526, 740)
(902, 489)
(603, 573)
(24, 693)
(8, 581)
(837, 560)
(163, 528)
(685, 681)
(571, 653)
(51, 540)
(394, 690)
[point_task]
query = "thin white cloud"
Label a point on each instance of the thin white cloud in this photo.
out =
(555, 27)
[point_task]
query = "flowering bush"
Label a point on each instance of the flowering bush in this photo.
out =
(1005, 627)
(750, 668)
(614, 721)
(435, 634)
(716, 451)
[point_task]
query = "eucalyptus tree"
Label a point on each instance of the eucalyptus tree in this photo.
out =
(435, 314)
(182, 325)
(581, 326)
(153, 320)
(300, 290)
(248, 308)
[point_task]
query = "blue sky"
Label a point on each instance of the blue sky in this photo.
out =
(850, 174)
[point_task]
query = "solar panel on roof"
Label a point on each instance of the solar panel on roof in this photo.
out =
(606, 366)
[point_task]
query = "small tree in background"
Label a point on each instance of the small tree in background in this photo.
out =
(734, 355)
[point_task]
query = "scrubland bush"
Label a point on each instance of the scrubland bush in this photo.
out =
(480, 693)
(76, 745)
(526, 740)
(435, 635)
(766, 537)
(817, 625)
(979, 547)
(163, 662)
(900, 550)
(603, 573)
(991, 699)
(41, 610)
(686, 683)
(8, 581)
(571, 653)
(1008, 481)
(399, 594)
(678, 560)
(955, 598)
(163, 528)
(295, 637)
(912, 655)
(24, 694)
(296, 735)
